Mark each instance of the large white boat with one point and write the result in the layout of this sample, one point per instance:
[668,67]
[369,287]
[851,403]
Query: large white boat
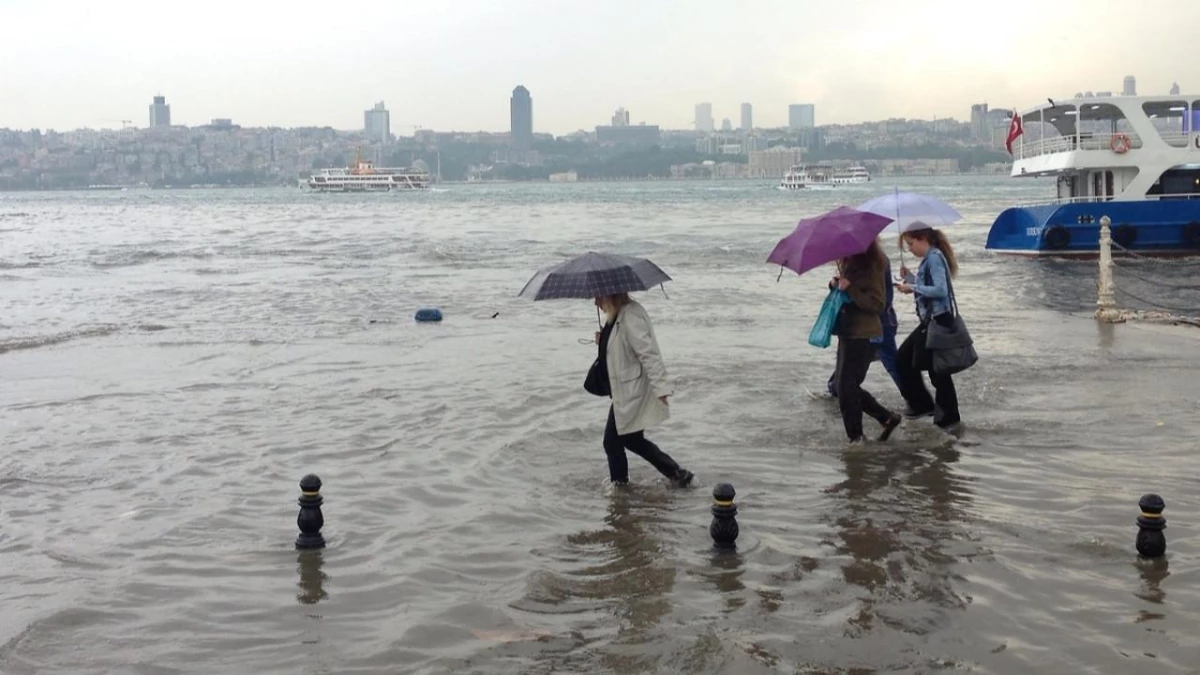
[852,175]
[808,177]
[366,177]
[1135,159]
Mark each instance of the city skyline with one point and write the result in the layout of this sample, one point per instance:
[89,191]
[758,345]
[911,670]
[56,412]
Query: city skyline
[99,66]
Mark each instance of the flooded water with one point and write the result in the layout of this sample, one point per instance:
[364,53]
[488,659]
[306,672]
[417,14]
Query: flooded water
[172,363]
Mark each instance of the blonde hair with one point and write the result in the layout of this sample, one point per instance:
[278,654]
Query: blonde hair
[937,239]
[612,305]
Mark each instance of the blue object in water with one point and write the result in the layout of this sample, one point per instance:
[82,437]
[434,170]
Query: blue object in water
[428,314]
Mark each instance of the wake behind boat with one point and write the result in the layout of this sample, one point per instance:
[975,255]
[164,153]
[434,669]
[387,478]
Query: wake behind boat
[1135,159]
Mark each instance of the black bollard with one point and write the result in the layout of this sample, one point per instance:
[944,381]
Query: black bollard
[310,519]
[1151,542]
[724,527]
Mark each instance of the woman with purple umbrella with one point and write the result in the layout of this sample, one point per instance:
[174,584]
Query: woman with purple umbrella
[861,276]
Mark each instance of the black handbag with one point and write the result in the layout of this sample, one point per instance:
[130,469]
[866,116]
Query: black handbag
[951,349]
[596,382]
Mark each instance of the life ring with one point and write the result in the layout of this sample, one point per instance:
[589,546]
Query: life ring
[1191,234]
[1119,143]
[1056,237]
[1124,235]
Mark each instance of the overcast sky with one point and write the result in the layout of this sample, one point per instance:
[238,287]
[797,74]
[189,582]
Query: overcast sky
[452,64]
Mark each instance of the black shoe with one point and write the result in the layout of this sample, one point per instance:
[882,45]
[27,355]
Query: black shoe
[889,426]
[911,414]
[683,478]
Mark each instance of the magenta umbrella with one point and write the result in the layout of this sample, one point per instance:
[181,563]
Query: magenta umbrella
[841,232]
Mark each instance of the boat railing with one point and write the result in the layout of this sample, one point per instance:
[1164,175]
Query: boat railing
[1095,200]
[1087,141]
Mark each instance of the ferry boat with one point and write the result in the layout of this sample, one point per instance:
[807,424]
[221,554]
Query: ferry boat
[1135,159]
[365,177]
[808,177]
[855,174]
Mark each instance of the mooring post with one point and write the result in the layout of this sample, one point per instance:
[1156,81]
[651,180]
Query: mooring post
[310,520]
[724,527]
[1151,542]
[1106,303]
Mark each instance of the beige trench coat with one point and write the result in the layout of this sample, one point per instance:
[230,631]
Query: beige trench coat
[636,373]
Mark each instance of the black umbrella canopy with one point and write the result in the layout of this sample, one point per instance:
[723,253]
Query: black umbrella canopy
[593,275]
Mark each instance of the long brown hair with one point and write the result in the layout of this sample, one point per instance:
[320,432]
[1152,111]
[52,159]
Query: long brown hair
[938,240]
[613,304]
[871,259]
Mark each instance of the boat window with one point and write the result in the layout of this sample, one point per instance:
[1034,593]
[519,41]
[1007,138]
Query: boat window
[1180,182]
[1170,120]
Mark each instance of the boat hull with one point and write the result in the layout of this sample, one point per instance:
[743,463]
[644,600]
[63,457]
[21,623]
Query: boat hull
[1153,227]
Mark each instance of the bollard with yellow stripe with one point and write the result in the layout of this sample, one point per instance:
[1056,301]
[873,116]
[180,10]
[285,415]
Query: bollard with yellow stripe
[724,527]
[310,520]
[1151,542]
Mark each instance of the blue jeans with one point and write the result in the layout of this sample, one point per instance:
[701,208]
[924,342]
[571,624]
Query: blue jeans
[885,348]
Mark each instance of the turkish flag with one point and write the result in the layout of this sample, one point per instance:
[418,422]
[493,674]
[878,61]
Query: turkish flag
[1014,129]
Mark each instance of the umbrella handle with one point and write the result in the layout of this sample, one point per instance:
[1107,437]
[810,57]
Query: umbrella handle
[780,272]
[600,325]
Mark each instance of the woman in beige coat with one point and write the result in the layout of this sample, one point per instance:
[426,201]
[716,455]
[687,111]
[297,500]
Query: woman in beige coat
[638,386]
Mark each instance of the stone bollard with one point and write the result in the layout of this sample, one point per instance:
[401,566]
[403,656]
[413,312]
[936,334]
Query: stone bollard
[724,527]
[1151,542]
[310,519]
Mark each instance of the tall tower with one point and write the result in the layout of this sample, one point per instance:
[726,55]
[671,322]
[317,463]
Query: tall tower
[520,108]
[377,123]
[160,112]
[747,117]
[1130,86]
[704,118]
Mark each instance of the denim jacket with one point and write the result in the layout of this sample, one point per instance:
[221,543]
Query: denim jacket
[932,299]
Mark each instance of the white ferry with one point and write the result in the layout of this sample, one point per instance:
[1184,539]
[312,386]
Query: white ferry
[1135,159]
[852,175]
[808,177]
[365,177]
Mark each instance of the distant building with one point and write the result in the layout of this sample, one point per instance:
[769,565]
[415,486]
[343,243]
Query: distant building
[726,125]
[747,117]
[644,135]
[520,108]
[802,116]
[979,122]
[1130,86]
[1175,89]
[377,123]
[221,123]
[754,144]
[620,118]
[160,112]
[774,162]
[704,118]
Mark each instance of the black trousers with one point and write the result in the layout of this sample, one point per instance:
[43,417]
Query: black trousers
[854,360]
[911,359]
[615,446]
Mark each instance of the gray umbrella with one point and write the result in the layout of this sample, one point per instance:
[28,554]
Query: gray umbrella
[592,275]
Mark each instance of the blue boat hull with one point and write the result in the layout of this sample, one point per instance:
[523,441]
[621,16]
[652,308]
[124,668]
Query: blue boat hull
[1152,227]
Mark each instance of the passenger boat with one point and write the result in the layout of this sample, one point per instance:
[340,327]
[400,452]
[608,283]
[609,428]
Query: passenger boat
[365,177]
[1135,159]
[808,177]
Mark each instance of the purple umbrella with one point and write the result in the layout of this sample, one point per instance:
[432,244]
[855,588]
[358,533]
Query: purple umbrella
[841,232]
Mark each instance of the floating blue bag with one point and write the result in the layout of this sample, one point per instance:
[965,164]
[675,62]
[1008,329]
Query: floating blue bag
[822,331]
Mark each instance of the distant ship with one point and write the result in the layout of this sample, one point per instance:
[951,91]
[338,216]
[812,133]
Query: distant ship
[855,174]
[808,177]
[366,177]
[106,187]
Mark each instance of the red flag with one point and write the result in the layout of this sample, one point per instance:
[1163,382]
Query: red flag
[1014,129]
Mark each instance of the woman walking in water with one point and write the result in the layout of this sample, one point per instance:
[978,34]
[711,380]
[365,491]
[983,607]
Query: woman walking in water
[931,288]
[861,276]
[638,386]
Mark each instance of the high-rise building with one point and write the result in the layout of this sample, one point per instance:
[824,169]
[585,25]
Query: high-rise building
[704,118]
[979,121]
[520,108]
[747,117]
[160,112]
[726,124]
[1130,86]
[620,118]
[802,116]
[377,123]
[1174,89]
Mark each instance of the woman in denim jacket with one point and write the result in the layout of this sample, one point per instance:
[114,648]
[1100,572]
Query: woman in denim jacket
[931,288]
